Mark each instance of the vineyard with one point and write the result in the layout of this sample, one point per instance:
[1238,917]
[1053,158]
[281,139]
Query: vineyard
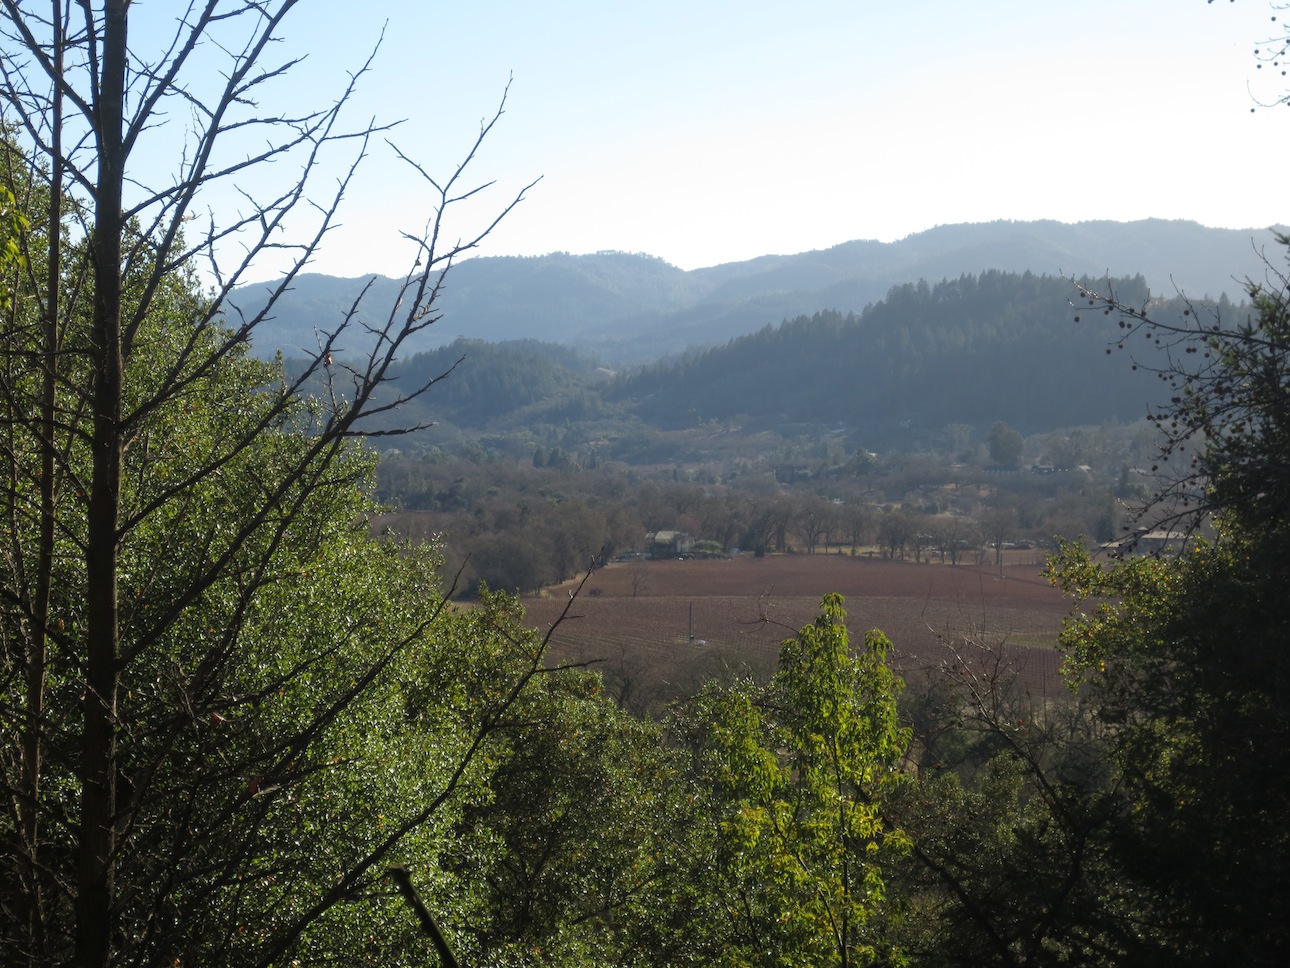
[658,629]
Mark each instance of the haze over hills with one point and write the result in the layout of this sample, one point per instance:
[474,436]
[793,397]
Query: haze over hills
[632,308]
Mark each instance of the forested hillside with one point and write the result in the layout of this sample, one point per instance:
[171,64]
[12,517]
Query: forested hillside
[477,384]
[971,350]
[632,308]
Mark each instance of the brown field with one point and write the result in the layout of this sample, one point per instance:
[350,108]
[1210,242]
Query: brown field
[739,611]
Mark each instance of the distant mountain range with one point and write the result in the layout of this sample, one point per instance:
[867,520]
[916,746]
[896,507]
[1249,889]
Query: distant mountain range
[628,308]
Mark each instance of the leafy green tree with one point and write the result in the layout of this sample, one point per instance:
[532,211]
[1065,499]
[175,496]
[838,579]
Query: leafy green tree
[564,859]
[1185,656]
[795,775]
[175,716]
[261,779]
[1012,822]
[1185,653]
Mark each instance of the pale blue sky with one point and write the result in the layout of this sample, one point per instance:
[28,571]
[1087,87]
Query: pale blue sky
[707,132]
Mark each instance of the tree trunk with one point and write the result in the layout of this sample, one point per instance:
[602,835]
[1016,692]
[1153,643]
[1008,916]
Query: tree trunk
[98,795]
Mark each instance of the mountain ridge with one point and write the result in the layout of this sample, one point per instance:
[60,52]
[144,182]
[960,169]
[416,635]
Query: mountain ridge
[630,308]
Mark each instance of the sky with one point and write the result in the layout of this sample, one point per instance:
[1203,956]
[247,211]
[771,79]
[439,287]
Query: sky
[706,131]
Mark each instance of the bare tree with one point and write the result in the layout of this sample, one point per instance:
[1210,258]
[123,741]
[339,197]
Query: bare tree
[760,521]
[816,519]
[859,520]
[783,513]
[895,531]
[997,526]
[1214,452]
[81,105]
[638,575]
[953,534]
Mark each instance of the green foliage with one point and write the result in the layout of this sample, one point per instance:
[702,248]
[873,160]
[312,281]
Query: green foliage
[1013,823]
[297,704]
[13,223]
[563,855]
[795,774]
[1185,654]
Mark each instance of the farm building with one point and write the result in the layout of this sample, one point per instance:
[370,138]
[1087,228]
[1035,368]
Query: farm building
[668,544]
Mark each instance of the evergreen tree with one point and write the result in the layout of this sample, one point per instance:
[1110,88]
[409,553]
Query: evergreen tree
[1186,654]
